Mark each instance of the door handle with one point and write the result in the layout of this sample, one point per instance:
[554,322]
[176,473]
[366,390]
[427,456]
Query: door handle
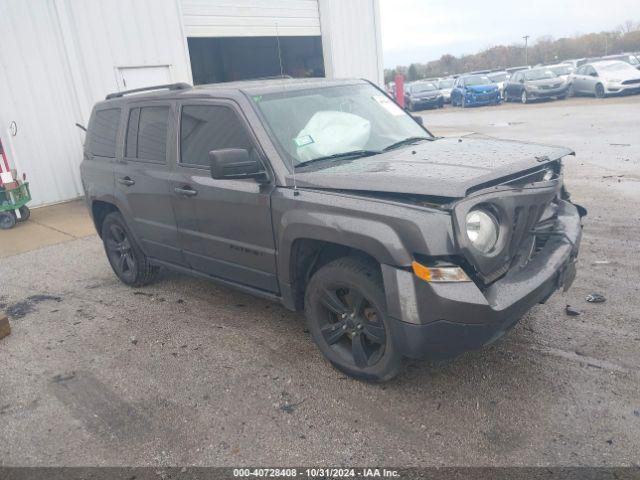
[126,181]
[186,191]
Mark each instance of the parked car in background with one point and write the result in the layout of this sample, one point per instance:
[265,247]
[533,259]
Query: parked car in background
[562,70]
[534,84]
[499,78]
[576,62]
[512,70]
[445,85]
[630,58]
[605,78]
[421,95]
[472,90]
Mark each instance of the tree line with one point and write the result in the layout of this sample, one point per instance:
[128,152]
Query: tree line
[626,38]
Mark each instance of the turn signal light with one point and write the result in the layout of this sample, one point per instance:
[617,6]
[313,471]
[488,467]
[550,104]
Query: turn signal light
[439,274]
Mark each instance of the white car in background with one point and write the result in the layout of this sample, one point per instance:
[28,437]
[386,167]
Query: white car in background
[605,78]
[499,78]
[445,85]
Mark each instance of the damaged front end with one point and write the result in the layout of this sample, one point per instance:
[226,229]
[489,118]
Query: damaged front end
[526,210]
[532,255]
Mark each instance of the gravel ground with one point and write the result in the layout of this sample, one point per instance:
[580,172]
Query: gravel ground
[185,372]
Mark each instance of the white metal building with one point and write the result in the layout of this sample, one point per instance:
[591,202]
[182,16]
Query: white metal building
[58,57]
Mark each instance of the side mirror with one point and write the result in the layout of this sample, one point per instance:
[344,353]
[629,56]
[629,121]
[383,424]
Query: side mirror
[234,163]
[521,80]
[594,74]
[418,119]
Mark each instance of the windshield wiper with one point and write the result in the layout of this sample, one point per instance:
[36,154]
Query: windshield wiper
[351,154]
[406,141]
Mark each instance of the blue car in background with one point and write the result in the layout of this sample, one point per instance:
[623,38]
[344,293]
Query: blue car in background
[470,90]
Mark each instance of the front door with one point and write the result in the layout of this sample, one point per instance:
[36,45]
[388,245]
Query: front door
[142,180]
[224,226]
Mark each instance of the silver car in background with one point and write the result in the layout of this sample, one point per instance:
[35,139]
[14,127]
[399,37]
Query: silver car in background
[562,70]
[605,78]
[445,85]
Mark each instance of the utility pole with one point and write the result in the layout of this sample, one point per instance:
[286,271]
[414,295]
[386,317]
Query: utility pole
[526,54]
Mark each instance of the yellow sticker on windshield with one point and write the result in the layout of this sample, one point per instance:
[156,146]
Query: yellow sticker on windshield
[388,105]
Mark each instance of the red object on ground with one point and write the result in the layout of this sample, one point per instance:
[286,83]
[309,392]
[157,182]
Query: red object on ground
[399,80]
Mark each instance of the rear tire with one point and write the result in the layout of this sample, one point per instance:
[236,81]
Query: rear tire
[346,311]
[25,213]
[7,220]
[126,258]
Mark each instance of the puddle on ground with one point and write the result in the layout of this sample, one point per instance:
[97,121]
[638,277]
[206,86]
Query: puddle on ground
[27,306]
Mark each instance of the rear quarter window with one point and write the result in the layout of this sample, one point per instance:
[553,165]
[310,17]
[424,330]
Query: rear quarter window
[103,132]
[147,134]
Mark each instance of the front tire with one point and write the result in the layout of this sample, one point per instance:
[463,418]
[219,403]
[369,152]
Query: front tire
[7,220]
[600,91]
[345,307]
[126,258]
[524,98]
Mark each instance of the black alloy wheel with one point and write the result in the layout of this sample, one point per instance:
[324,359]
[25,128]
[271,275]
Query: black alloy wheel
[120,253]
[351,326]
[126,258]
[345,307]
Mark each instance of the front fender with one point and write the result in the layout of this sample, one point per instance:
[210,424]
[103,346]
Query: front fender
[370,236]
[389,232]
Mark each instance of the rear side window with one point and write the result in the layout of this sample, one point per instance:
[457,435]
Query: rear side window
[204,128]
[103,131]
[147,134]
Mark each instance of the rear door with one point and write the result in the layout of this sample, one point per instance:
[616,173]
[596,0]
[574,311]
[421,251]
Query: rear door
[100,152]
[142,179]
[224,226]
[579,80]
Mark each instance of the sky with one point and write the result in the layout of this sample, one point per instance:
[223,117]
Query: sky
[423,30]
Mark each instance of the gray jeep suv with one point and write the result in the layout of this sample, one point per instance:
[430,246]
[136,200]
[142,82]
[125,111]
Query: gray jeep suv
[329,198]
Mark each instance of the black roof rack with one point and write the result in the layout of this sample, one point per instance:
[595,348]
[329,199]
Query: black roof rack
[170,86]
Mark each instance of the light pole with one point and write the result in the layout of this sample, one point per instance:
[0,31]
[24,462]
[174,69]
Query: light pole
[526,55]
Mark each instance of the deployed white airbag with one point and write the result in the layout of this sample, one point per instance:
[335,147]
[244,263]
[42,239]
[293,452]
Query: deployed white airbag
[330,132]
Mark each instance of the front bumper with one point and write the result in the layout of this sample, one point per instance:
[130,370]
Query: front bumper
[427,102]
[442,320]
[548,93]
[622,89]
[482,99]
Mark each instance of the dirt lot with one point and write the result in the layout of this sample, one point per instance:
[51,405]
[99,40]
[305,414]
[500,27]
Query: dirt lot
[186,372]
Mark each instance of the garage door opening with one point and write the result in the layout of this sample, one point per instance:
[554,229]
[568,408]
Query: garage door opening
[239,58]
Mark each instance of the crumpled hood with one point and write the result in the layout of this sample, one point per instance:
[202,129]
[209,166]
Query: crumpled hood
[482,88]
[446,167]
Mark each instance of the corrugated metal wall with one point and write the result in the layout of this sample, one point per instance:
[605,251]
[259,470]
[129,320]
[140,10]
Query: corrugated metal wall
[257,18]
[351,39]
[57,58]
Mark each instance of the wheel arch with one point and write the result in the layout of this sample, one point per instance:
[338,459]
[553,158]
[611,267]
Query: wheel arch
[309,241]
[99,211]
